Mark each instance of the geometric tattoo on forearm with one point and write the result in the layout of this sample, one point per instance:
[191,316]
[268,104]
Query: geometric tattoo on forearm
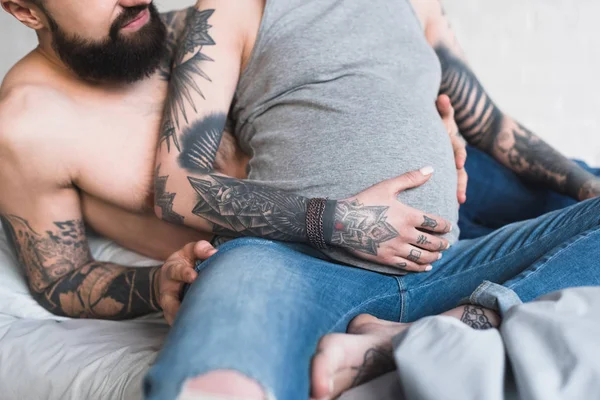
[245,208]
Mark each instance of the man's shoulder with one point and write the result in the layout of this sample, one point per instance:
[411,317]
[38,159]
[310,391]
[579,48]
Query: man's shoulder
[25,110]
[29,117]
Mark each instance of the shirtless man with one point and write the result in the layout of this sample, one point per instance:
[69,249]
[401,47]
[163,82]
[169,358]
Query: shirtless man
[79,122]
[96,85]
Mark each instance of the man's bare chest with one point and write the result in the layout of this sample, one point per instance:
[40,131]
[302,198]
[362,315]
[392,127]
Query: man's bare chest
[116,138]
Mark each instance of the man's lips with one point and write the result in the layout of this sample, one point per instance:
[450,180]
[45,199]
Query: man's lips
[139,21]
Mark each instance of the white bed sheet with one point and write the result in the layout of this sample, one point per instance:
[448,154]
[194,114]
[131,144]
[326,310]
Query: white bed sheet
[44,357]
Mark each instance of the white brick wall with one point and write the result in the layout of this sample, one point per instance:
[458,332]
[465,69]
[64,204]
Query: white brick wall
[540,60]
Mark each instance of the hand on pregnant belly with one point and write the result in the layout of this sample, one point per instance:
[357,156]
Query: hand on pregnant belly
[376,226]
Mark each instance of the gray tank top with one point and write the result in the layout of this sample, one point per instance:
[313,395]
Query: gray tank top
[339,95]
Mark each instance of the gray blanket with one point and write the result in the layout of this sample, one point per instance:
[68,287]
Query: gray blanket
[545,350]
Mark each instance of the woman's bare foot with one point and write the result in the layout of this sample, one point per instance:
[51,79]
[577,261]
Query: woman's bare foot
[343,361]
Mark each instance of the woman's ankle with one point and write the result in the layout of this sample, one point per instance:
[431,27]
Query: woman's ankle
[477,317]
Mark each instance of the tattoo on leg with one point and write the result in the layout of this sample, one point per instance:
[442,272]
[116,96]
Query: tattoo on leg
[475,317]
[186,69]
[361,228]
[422,240]
[429,222]
[414,255]
[200,143]
[165,199]
[376,362]
[243,208]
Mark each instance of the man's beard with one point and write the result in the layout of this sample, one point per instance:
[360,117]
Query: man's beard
[118,58]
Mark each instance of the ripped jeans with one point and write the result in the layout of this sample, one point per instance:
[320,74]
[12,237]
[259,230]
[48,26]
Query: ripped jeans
[259,307]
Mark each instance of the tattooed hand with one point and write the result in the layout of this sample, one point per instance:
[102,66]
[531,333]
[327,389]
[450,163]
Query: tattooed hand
[590,190]
[375,226]
[178,270]
[458,145]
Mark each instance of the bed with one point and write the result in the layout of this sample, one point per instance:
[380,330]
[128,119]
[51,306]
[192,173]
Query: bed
[47,357]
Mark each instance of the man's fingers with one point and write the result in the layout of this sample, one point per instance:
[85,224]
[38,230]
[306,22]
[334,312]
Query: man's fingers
[431,223]
[410,180]
[463,180]
[429,242]
[186,253]
[444,106]
[181,271]
[460,152]
[170,304]
[203,250]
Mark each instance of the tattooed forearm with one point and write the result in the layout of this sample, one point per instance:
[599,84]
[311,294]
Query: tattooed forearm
[187,68]
[477,116]
[482,123]
[539,163]
[237,207]
[164,200]
[65,279]
[475,317]
[49,256]
[590,190]
[361,228]
[103,290]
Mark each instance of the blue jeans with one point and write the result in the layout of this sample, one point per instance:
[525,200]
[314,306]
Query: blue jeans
[497,197]
[259,307]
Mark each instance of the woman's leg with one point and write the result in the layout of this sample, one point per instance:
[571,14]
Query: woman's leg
[249,324]
[497,197]
[519,262]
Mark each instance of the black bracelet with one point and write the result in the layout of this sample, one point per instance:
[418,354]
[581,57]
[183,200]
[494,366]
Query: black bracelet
[314,222]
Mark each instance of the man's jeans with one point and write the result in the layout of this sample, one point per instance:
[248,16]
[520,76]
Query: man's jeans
[259,307]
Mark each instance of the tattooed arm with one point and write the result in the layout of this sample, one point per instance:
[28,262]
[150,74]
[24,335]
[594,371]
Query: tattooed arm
[41,217]
[485,126]
[188,188]
[64,278]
